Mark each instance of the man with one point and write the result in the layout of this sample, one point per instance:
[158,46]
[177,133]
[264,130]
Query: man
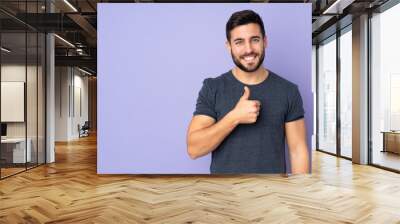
[243,116]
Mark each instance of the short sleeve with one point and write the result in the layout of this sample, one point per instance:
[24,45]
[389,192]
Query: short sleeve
[205,104]
[295,106]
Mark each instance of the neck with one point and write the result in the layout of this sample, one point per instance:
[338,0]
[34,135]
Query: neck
[250,78]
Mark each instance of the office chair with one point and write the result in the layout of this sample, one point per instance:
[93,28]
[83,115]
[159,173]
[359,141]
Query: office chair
[84,130]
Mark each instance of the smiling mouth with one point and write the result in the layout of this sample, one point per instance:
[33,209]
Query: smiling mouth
[249,58]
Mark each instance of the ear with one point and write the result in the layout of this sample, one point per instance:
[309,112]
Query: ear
[265,42]
[228,46]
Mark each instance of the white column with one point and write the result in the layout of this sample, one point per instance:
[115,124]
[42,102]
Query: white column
[50,93]
[360,90]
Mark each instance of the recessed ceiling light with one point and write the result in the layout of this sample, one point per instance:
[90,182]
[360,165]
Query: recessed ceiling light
[84,71]
[70,5]
[338,6]
[64,40]
[5,50]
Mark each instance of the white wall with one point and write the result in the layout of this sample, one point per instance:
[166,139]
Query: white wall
[33,127]
[17,73]
[61,103]
[71,94]
[314,91]
[14,73]
[80,110]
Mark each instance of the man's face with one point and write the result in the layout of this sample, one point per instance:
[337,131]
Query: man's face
[247,47]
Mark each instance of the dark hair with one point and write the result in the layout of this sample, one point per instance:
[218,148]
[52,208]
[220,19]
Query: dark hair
[242,18]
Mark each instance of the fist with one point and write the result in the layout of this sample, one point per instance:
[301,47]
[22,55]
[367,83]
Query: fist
[246,111]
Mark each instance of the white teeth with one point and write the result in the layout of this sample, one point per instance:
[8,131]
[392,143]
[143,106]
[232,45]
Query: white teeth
[250,58]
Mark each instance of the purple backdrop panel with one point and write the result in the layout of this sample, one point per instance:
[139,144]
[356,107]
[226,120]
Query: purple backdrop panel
[152,59]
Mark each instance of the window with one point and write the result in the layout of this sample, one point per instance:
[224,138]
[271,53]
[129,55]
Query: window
[327,95]
[385,88]
[346,93]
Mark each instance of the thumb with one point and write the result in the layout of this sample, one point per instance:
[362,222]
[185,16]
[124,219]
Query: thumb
[246,93]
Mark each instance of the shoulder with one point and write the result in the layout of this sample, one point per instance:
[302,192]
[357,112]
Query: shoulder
[281,82]
[215,82]
[285,87]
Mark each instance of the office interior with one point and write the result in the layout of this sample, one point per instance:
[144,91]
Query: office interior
[356,62]
[48,81]
[49,75]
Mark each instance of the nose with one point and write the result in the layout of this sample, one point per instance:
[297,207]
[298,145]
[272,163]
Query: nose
[248,48]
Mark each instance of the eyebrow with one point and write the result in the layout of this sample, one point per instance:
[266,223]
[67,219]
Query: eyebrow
[252,37]
[237,39]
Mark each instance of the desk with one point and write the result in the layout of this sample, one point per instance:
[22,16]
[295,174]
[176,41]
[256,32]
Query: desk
[391,141]
[15,148]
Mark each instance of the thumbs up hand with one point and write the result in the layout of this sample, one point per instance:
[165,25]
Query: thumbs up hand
[246,111]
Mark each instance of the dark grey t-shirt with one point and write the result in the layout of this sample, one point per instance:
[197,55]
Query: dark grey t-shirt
[257,147]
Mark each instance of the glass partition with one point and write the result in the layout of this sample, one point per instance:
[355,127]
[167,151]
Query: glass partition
[327,95]
[32,95]
[22,63]
[13,108]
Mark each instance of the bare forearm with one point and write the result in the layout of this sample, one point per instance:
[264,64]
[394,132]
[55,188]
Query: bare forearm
[204,141]
[299,159]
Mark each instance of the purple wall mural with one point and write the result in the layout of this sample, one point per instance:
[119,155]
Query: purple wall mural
[152,59]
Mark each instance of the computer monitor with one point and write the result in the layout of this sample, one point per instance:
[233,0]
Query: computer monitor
[3,129]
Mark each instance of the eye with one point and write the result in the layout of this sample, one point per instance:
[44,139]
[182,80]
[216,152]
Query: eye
[256,40]
[238,42]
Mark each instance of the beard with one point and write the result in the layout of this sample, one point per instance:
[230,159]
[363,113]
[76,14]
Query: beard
[247,69]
